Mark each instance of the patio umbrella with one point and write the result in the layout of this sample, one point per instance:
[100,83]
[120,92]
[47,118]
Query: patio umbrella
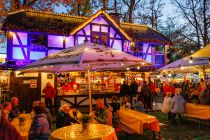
[202,53]
[85,57]
[188,65]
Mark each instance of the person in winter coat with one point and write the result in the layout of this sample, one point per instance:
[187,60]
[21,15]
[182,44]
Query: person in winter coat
[204,98]
[124,89]
[39,129]
[103,114]
[146,92]
[7,106]
[167,104]
[177,107]
[139,106]
[63,117]
[49,94]
[14,112]
[7,131]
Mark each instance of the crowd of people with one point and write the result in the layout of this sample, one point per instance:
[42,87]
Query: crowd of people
[131,97]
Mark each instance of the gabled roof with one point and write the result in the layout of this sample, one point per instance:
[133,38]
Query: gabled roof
[64,24]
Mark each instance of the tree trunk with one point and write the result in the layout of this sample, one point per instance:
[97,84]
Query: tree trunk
[205,36]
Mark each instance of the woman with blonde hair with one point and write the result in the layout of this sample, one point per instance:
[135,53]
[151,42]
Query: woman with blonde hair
[167,104]
[63,118]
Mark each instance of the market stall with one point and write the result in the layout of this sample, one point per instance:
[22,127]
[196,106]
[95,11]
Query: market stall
[86,57]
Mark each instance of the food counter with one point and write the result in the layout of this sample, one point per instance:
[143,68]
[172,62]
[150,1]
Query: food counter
[72,87]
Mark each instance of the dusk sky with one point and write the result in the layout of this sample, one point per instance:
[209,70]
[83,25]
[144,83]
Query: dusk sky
[168,10]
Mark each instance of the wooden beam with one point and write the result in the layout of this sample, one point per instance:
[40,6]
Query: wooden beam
[20,42]
[84,33]
[113,40]
[147,52]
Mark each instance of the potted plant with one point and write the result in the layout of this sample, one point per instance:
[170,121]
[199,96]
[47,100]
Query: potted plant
[85,119]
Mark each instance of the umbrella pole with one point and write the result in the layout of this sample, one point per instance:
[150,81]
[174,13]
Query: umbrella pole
[89,89]
[204,75]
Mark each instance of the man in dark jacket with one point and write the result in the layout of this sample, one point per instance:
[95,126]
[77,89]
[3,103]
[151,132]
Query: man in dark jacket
[124,89]
[134,87]
[146,92]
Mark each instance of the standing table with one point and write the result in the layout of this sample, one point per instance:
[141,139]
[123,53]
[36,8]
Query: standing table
[75,132]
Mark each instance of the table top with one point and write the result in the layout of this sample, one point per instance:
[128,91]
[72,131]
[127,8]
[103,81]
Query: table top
[145,118]
[23,130]
[94,132]
[198,110]
[136,120]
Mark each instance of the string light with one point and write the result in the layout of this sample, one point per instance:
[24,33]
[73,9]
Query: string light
[122,64]
[138,68]
[182,67]
[128,68]
[143,63]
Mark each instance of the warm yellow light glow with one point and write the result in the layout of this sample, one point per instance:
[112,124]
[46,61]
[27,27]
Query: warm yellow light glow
[64,38]
[138,68]
[11,33]
[143,63]
[182,67]
[139,78]
[128,68]
[158,76]
[169,75]
[122,64]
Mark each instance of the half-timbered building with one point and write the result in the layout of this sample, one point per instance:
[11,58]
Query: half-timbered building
[32,35]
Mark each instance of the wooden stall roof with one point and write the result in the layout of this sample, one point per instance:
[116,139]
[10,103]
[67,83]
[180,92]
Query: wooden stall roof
[63,24]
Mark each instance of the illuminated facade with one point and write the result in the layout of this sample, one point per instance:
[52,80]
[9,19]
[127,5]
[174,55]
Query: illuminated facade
[32,35]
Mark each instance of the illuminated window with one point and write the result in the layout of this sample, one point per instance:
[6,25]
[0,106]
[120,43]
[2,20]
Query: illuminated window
[17,53]
[96,28]
[69,41]
[23,38]
[36,55]
[55,41]
[104,29]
